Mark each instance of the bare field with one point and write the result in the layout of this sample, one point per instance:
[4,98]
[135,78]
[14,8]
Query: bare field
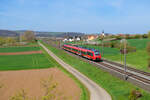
[30,81]
[22,53]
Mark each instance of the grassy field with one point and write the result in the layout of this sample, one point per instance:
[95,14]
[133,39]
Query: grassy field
[118,89]
[19,49]
[18,62]
[138,43]
[136,59]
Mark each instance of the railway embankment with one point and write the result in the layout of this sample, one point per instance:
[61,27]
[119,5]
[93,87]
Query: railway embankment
[119,89]
[96,92]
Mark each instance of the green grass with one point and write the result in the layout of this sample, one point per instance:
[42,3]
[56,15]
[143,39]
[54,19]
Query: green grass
[138,43]
[136,59]
[118,89]
[19,49]
[32,44]
[19,62]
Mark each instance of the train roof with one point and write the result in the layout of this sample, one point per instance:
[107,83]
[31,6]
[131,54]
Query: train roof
[83,48]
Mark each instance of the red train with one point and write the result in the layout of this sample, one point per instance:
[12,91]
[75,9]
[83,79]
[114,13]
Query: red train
[85,52]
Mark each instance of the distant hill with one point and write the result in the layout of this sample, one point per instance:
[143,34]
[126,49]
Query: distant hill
[8,33]
[47,34]
[70,34]
[56,34]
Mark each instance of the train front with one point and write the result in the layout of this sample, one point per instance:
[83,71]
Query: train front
[97,55]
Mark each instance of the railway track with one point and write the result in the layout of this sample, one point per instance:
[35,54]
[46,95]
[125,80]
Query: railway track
[132,69]
[141,77]
[129,73]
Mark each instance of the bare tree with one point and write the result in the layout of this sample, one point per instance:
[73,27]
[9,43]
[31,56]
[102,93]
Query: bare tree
[29,36]
[149,34]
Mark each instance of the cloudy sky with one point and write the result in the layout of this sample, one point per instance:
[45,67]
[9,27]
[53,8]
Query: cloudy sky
[90,16]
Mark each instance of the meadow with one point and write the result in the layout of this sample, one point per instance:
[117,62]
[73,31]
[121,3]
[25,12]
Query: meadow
[18,62]
[138,59]
[118,89]
[18,49]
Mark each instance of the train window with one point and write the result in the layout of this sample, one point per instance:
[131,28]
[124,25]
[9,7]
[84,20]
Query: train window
[90,54]
[96,53]
[83,52]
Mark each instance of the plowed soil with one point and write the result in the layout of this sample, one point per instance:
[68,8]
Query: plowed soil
[21,53]
[30,81]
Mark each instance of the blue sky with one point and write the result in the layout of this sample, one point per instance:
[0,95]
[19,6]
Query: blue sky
[90,16]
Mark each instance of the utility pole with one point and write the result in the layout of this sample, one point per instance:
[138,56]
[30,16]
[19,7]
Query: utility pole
[102,37]
[125,67]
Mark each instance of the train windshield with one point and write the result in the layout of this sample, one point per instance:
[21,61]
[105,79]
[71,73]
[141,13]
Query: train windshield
[96,53]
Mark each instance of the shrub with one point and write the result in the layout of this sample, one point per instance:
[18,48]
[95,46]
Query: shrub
[131,49]
[137,36]
[21,95]
[135,94]
[148,48]
[149,34]
[128,49]
[119,37]
[148,62]
[145,36]
[106,44]
[148,51]
[114,44]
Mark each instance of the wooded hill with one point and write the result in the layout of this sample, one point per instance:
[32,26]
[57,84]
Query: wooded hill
[10,33]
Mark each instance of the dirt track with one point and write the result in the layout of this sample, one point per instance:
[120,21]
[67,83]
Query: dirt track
[29,80]
[21,53]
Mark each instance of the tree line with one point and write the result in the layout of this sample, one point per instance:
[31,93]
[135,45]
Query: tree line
[26,37]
